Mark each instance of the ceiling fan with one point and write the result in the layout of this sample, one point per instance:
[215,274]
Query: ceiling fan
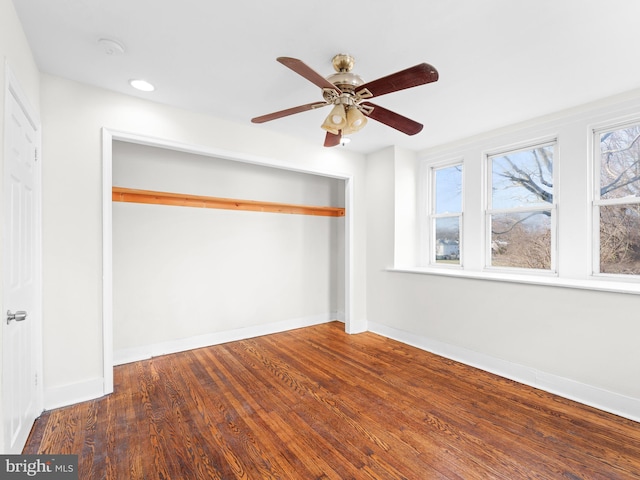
[347,92]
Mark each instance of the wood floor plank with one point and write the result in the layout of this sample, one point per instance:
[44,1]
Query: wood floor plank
[316,403]
[362,385]
[485,431]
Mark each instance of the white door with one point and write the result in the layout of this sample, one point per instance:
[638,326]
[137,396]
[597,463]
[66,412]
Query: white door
[21,318]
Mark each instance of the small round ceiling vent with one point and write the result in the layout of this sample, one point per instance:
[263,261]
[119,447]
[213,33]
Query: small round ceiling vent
[111,47]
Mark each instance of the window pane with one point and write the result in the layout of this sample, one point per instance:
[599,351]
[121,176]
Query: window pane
[620,163]
[448,240]
[523,178]
[448,188]
[521,240]
[620,239]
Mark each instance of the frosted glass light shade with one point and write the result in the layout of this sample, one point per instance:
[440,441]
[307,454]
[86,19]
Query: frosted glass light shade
[336,120]
[356,120]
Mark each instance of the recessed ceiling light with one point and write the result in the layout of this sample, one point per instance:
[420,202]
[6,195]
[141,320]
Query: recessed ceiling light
[142,85]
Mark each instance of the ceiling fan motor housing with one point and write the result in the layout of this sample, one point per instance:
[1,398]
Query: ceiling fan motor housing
[344,79]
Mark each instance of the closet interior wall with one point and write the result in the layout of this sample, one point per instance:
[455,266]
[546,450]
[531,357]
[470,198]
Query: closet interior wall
[185,276]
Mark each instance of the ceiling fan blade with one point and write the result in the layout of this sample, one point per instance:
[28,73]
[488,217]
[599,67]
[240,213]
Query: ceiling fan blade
[332,140]
[288,111]
[392,119]
[411,77]
[307,72]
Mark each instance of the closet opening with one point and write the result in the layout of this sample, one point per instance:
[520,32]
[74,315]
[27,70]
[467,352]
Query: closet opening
[209,247]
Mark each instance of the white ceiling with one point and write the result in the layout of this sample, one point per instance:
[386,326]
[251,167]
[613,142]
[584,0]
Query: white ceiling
[500,61]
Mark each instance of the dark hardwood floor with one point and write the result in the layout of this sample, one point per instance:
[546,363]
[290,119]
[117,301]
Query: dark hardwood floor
[317,403]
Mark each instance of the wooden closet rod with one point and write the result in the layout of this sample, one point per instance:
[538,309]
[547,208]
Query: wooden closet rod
[121,194]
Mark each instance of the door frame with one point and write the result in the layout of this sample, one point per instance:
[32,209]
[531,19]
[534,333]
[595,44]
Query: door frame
[13,89]
[109,136]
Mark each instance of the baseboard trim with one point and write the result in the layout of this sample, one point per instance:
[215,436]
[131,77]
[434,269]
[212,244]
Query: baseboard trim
[65,395]
[128,355]
[596,397]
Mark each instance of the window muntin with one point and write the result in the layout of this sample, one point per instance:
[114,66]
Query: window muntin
[446,215]
[521,210]
[617,201]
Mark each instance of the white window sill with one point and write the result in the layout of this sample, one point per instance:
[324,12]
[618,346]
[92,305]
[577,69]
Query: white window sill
[594,283]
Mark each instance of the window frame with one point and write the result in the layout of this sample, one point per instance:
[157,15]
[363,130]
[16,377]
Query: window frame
[432,216]
[489,211]
[597,201]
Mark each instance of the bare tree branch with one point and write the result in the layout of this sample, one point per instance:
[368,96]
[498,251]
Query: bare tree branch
[524,180]
[620,179]
[548,163]
[620,150]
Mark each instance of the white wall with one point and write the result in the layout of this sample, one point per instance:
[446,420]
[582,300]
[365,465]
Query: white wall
[573,339]
[73,116]
[16,54]
[185,277]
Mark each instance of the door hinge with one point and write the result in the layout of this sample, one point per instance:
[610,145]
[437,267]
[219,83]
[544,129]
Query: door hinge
[36,379]
[36,155]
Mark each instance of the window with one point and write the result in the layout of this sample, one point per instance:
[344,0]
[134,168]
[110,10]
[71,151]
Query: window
[446,215]
[521,211]
[508,217]
[617,201]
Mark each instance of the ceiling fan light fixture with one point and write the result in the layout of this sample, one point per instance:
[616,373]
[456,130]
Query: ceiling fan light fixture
[356,120]
[336,120]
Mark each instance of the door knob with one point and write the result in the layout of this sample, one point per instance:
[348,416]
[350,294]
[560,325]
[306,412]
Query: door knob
[19,316]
